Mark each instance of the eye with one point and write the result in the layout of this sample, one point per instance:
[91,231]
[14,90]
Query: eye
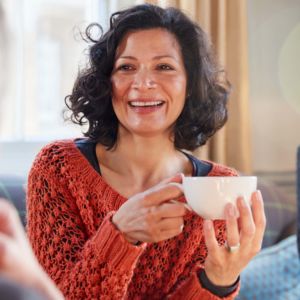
[164,67]
[125,67]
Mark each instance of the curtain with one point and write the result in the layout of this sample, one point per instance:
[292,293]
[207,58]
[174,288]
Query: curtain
[226,24]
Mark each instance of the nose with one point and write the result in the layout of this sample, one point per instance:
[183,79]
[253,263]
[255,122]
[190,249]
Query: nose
[143,79]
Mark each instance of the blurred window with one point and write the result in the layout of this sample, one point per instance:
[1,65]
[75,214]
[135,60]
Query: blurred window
[41,51]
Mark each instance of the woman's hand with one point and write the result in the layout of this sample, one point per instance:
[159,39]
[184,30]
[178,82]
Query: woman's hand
[153,215]
[244,235]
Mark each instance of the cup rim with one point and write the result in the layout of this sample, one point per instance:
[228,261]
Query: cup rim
[219,177]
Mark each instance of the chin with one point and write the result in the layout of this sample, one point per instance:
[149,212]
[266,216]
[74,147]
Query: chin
[151,131]
[147,129]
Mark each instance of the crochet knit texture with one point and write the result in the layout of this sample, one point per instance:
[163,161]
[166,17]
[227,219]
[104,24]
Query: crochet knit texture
[69,210]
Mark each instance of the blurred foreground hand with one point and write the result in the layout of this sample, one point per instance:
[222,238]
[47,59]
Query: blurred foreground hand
[17,261]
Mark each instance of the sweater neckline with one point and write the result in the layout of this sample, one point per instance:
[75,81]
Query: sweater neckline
[84,168]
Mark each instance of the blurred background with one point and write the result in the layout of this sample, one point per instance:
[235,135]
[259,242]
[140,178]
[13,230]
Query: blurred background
[258,42]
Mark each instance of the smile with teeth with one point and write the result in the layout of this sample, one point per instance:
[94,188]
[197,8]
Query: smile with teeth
[145,103]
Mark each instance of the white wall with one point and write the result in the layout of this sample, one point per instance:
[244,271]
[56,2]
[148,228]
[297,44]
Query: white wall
[274,50]
[16,157]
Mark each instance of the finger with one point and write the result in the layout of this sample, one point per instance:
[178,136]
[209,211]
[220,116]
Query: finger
[150,218]
[258,211]
[161,193]
[4,249]
[176,178]
[170,224]
[139,236]
[210,237]
[160,231]
[247,226]
[232,230]
[161,236]
[184,203]
[147,221]
[178,185]
[9,220]
[259,219]
[10,223]
[168,234]
[171,210]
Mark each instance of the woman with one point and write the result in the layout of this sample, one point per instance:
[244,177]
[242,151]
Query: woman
[104,218]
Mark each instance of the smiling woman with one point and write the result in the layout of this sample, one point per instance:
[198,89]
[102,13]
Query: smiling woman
[202,115]
[104,215]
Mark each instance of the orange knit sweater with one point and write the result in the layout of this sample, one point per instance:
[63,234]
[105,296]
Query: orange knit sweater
[69,226]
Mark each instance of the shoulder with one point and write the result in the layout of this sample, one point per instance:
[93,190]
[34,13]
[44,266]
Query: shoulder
[53,154]
[222,170]
[56,148]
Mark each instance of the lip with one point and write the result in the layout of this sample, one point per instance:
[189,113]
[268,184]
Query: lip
[146,109]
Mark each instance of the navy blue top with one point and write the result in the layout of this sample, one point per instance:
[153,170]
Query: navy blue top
[88,149]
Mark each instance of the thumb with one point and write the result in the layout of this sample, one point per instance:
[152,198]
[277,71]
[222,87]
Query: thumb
[10,223]
[4,250]
[177,178]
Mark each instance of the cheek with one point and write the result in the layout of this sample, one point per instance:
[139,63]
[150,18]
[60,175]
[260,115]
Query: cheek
[181,85]
[177,83]
[177,87]
[119,86]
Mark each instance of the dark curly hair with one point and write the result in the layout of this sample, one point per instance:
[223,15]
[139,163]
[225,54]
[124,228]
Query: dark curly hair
[205,109]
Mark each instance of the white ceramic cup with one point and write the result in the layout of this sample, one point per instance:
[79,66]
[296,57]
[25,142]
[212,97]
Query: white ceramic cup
[207,196]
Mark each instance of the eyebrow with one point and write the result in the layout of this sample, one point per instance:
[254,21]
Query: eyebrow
[155,57]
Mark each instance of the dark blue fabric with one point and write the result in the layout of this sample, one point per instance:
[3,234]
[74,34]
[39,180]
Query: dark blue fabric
[220,291]
[201,168]
[88,148]
[298,198]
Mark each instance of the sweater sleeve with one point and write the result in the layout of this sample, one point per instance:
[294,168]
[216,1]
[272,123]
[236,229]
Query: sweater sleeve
[191,287]
[83,267]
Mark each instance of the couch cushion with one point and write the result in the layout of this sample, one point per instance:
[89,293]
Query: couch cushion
[13,189]
[273,274]
[281,213]
[298,197]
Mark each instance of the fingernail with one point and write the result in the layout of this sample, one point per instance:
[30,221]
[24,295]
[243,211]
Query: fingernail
[258,195]
[182,176]
[243,202]
[231,211]
[179,174]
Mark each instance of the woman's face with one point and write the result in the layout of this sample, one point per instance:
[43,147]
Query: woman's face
[148,82]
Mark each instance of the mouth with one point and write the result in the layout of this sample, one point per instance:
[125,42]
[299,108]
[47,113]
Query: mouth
[146,104]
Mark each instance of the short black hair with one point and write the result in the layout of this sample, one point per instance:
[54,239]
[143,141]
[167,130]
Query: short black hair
[205,109]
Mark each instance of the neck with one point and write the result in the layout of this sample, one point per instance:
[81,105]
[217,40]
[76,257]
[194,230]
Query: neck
[144,160]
